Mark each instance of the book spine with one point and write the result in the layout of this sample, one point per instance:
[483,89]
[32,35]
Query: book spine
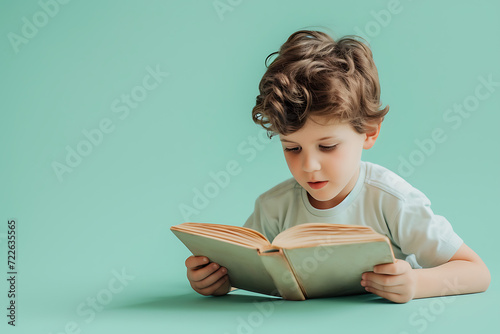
[282,274]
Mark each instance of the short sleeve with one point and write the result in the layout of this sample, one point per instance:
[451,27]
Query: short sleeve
[421,234]
[258,221]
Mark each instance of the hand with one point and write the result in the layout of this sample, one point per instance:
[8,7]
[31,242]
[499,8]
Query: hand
[207,278]
[396,282]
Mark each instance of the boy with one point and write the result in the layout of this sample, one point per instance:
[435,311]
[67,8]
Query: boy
[323,99]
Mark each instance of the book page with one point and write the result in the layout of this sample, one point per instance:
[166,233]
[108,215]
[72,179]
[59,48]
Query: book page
[232,234]
[315,234]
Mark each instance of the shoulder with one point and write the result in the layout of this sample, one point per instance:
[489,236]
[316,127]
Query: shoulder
[280,192]
[387,183]
[272,206]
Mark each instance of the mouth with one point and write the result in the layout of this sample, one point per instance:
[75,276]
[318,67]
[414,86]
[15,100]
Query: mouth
[317,185]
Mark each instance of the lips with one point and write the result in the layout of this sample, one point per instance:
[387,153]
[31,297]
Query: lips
[317,184]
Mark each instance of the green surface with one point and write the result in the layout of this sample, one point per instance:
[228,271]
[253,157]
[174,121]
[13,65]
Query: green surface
[112,212]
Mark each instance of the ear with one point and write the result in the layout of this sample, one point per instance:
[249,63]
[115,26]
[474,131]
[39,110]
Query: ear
[371,136]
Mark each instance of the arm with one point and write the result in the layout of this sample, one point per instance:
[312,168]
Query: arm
[464,273]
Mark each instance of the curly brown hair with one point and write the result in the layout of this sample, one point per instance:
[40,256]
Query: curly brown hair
[314,75]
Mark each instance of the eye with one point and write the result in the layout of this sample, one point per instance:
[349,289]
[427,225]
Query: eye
[293,149]
[328,148]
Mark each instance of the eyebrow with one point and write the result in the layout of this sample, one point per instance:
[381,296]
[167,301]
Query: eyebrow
[324,138]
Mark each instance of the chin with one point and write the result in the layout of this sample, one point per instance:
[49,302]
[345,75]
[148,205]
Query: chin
[324,197]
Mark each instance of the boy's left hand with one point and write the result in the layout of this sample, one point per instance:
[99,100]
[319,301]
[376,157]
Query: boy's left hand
[394,281]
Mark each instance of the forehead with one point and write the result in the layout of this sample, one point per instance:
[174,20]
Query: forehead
[319,129]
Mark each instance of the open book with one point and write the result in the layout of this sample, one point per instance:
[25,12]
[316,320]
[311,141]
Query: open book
[305,261]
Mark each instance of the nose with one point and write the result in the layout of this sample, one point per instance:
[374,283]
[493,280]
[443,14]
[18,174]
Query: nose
[310,162]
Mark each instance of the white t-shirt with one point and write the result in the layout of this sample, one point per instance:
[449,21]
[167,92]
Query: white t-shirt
[380,199]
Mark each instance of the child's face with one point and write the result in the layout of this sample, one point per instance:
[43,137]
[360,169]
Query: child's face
[328,152]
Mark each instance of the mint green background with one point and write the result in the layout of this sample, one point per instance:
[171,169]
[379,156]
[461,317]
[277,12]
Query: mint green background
[115,209]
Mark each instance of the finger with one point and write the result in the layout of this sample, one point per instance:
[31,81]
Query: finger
[224,289]
[395,268]
[399,289]
[388,269]
[195,262]
[394,297]
[208,281]
[196,275]
[214,287]
[386,280]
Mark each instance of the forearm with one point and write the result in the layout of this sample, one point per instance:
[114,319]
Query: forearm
[452,278]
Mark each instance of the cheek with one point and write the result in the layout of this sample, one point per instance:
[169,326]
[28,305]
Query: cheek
[334,161]
[292,162]
[295,166]
[340,163]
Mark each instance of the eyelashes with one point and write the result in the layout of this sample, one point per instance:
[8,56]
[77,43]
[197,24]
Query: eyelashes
[323,148]
[328,148]
[294,149]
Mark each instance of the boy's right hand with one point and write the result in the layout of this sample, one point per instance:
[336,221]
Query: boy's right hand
[207,278]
